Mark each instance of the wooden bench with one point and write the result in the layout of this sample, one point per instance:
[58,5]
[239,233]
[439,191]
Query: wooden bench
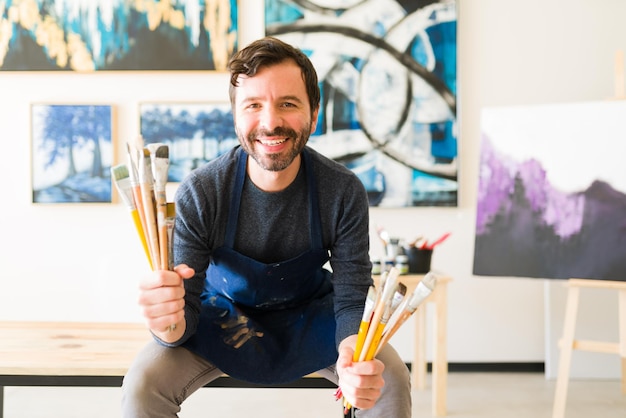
[85,354]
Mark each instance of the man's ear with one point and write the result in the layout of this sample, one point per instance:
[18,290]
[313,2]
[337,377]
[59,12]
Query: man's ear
[314,116]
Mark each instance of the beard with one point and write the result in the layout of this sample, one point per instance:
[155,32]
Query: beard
[275,161]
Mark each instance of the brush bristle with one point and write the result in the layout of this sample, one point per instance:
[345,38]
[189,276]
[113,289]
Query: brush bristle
[162,152]
[401,288]
[120,172]
[430,280]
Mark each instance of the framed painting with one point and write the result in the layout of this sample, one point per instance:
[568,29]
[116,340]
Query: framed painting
[77,35]
[552,192]
[73,150]
[387,73]
[195,133]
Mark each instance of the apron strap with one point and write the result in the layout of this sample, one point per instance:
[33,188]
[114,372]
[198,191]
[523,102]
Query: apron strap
[235,201]
[314,210]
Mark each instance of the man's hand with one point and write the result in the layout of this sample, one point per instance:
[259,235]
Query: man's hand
[161,296]
[360,382]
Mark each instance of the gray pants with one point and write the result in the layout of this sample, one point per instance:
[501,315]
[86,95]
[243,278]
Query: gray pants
[161,378]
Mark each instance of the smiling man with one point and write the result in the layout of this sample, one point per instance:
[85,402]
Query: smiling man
[250,296]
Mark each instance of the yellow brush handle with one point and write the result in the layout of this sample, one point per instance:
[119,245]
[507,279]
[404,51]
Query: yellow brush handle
[374,345]
[371,332]
[360,340]
[142,235]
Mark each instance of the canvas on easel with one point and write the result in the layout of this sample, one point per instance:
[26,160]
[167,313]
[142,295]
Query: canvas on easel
[552,192]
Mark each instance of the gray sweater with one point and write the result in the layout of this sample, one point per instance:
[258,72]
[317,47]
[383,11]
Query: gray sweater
[275,227]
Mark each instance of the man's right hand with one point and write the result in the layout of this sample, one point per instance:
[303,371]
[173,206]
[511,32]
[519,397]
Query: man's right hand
[161,297]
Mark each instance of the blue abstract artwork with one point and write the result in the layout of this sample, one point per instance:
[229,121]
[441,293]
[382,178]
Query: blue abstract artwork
[72,153]
[77,35]
[195,133]
[387,73]
[552,192]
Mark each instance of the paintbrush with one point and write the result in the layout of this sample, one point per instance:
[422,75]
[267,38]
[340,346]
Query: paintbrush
[121,176]
[389,309]
[136,190]
[170,219]
[383,235]
[146,184]
[159,154]
[424,288]
[368,311]
[388,291]
[427,246]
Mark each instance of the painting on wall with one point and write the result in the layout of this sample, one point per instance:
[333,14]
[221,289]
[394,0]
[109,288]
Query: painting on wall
[72,153]
[387,73]
[87,36]
[552,192]
[195,133]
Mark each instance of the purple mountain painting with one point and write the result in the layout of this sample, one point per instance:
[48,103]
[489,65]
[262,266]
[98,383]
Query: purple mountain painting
[528,226]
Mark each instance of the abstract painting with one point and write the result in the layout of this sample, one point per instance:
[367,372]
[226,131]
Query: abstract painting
[72,153]
[195,133]
[78,35]
[552,192]
[387,72]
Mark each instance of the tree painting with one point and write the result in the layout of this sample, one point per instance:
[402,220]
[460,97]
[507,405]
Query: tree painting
[72,152]
[194,132]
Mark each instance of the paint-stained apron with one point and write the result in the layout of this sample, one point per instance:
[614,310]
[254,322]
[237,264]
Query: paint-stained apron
[267,323]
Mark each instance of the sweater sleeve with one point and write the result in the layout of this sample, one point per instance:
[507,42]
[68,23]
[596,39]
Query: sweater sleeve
[345,213]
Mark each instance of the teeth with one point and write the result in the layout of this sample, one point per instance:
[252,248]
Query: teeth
[273,142]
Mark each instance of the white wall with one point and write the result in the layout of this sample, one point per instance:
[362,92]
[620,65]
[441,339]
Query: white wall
[82,262]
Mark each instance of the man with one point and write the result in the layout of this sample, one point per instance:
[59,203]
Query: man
[250,296]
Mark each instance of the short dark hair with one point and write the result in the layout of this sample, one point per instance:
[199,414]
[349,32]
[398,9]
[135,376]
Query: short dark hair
[270,51]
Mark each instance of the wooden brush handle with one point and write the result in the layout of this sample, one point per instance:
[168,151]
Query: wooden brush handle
[162,226]
[153,237]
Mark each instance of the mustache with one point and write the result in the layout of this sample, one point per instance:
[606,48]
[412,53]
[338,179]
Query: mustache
[278,131]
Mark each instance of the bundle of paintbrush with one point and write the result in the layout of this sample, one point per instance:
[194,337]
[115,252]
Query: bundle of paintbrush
[142,183]
[386,309]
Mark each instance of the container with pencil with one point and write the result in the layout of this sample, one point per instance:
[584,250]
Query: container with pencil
[141,184]
[386,309]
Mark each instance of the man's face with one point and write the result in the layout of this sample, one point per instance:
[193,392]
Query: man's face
[273,118]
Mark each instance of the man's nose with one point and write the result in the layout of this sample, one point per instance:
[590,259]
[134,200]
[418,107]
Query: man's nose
[270,119]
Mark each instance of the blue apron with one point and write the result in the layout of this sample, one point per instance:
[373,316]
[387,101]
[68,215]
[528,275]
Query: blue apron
[267,323]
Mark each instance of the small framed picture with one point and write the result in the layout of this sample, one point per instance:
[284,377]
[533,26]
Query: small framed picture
[195,132]
[72,152]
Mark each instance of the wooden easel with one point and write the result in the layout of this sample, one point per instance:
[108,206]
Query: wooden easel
[568,343]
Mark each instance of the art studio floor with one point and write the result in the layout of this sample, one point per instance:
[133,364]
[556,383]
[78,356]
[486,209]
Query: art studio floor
[470,395]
